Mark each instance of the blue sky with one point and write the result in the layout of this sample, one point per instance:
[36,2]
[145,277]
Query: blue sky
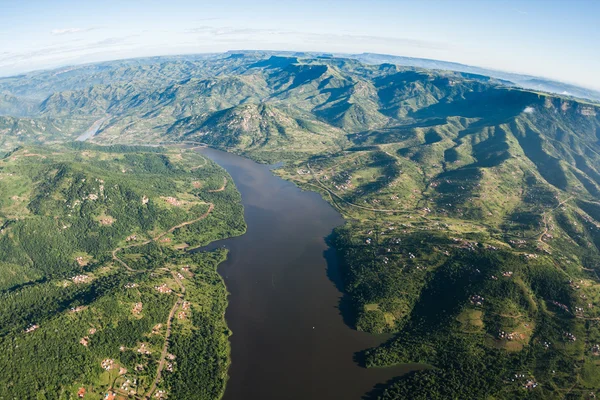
[555,39]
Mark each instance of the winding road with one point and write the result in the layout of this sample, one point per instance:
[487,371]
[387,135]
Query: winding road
[163,354]
[128,268]
[221,188]
[180,296]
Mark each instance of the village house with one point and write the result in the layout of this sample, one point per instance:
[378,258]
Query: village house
[156,329]
[107,364]
[163,288]
[477,300]
[173,201]
[143,349]
[137,308]
[569,336]
[530,384]
[588,111]
[128,386]
[78,279]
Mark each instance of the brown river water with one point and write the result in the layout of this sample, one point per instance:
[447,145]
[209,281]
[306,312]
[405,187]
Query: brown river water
[289,338]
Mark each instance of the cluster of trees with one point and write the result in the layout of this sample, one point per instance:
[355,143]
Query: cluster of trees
[202,352]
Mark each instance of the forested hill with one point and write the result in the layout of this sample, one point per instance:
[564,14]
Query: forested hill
[97,294]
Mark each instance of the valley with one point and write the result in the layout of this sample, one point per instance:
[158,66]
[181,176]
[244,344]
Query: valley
[464,217]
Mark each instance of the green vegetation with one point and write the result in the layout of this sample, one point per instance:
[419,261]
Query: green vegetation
[92,272]
[472,234]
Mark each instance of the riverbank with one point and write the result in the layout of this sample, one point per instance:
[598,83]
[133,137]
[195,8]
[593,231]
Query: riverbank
[289,338]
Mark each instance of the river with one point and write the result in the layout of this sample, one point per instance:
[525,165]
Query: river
[289,338]
[91,131]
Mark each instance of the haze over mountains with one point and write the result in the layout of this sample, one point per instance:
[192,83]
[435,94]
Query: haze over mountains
[256,102]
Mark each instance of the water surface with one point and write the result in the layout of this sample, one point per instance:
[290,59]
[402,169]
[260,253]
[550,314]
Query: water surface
[91,131]
[289,340]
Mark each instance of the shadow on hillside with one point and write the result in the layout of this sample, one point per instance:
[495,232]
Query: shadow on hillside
[334,273]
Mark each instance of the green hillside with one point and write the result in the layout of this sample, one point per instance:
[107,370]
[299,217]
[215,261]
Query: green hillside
[92,268]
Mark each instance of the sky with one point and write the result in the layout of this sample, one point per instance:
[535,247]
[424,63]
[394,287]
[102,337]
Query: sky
[552,39]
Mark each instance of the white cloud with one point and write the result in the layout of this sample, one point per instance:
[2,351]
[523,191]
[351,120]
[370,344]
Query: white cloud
[68,31]
[520,11]
[348,40]
[55,55]
[529,110]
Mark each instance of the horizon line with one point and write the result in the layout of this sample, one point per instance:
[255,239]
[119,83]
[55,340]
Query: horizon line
[332,54]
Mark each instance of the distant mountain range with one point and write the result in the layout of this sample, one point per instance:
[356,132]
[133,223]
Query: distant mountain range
[507,78]
[275,107]
[524,81]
